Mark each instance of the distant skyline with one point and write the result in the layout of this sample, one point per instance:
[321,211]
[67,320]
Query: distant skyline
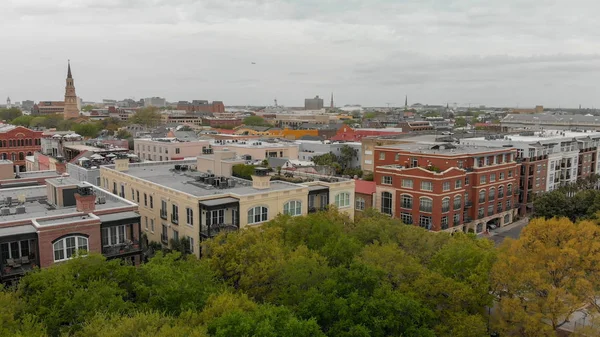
[368,52]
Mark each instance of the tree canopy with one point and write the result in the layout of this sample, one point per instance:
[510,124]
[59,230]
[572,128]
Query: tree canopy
[255,121]
[9,114]
[149,117]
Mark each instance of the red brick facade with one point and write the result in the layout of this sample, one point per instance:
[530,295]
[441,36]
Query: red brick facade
[446,190]
[47,237]
[17,143]
[201,106]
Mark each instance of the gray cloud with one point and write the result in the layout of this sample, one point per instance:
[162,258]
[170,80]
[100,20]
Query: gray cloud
[369,51]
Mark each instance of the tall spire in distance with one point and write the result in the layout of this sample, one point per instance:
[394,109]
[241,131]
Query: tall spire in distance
[406,102]
[332,105]
[69,69]
[71,109]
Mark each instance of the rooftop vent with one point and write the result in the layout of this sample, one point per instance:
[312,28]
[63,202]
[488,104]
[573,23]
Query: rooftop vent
[5,211]
[20,209]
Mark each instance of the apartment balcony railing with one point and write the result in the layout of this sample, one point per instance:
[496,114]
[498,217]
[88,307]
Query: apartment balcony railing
[215,229]
[317,209]
[123,248]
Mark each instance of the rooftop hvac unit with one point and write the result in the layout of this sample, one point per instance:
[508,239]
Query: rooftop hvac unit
[20,209]
[177,167]
[231,182]
[101,200]
[8,200]
[5,211]
[184,167]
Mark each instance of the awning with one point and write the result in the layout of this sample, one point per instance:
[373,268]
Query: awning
[218,202]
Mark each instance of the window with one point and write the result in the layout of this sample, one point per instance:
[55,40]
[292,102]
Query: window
[457,202]
[342,200]
[360,204]
[458,184]
[425,221]
[175,214]
[492,177]
[482,179]
[65,249]
[456,219]
[386,180]
[508,204]
[215,217]
[426,186]
[510,174]
[175,235]
[152,225]
[189,216]
[480,213]
[492,194]
[132,194]
[257,214]
[506,219]
[176,150]
[508,189]
[499,207]
[490,210]
[145,200]
[501,175]
[407,183]
[114,235]
[191,240]
[500,191]
[407,201]
[445,205]
[425,204]
[122,194]
[382,155]
[482,196]
[386,203]
[444,222]
[151,202]
[164,236]
[406,218]
[293,208]
[146,222]
[397,157]
[466,180]
[446,186]
[163,209]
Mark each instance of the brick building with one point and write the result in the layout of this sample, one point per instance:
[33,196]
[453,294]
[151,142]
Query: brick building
[43,225]
[18,142]
[217,122]
[48,108]
[364,195]
[447,187]
[201,106]
[348,134]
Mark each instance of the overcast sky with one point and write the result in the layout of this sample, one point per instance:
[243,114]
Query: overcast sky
[370,52]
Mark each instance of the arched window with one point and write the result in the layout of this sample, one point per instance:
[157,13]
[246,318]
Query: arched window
[258,214]
[492,194]
[342,199]
[457,203]
[386,203]
[425,204]
[29,153]
[406,201]
[445,205]
[507,219]
[479,228]
[360,204]
[21,156]
[500,191]
[508,189]
[13,156]
[293,208]
[10,143]
[67,248]
[482,196]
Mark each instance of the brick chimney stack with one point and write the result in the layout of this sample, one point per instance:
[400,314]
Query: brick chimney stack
[261,179]
[85,203]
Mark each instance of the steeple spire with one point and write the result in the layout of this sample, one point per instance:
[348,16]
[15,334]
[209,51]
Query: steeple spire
[405,102]
[69,69]
[332,106]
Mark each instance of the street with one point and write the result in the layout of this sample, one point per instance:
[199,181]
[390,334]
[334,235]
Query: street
[510,231]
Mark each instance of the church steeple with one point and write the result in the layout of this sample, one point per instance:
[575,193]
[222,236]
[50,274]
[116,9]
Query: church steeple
[71,109]
[406,103]
[69,69]
[332,105]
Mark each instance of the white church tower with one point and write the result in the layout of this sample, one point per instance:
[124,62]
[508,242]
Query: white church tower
[8,105]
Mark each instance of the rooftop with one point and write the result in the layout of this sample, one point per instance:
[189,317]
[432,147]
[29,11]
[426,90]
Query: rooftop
[37,206]
[252,143]
[546,135]
[364,187]
[552,118]
[162,173]
[6,127]
[443,148]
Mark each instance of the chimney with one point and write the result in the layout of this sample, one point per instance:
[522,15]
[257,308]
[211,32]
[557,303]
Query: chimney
[261,179]
[122,164]
[61,167]
[85,200]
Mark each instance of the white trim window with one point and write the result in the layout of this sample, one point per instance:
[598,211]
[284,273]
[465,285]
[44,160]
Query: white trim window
[360,204]
[386,180]
[112,236]
[258,214]
[293,208]
[189,216]
[342,199]
[66,248]
[386,203]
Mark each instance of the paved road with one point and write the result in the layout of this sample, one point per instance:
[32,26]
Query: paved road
[511,231]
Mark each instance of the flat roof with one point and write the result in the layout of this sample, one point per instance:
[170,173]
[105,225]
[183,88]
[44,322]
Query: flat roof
[446,149]
[547,135]
[160,173]
[118,216]
[217,202]
[16,230]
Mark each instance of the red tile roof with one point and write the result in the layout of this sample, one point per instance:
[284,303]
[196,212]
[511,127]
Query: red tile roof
[364,187]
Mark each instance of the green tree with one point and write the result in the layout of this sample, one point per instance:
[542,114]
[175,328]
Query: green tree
[347,154]
[124,134]
[242,171]
[64,125]
[10,114]
[460,122]
[149,117]
[255,121]
[38,122]
[328,159]
[24,120]
[89,129]
[87,108]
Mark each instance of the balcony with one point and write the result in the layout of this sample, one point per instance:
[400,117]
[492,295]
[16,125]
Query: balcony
[163,214]
[124,248]
[318,209]
[209,231]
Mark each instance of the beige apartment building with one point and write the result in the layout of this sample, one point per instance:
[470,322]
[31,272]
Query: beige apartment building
[161,149]
[180,199]
[258,149]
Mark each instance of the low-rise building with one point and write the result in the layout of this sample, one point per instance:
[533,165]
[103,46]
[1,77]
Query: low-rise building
[201,105]
[311,148]
[159,149]
[181,200]
[16,143]
[365,195]
[43,225]
[537,122]
[348,134]
[257,149]
[444,187]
